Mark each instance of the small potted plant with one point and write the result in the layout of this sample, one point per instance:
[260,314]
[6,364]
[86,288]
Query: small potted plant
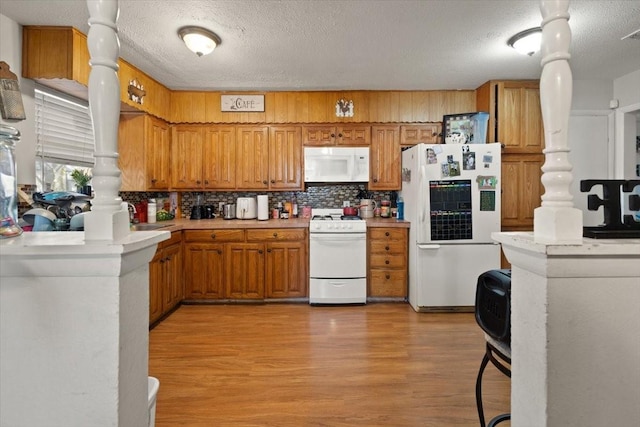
[82,178]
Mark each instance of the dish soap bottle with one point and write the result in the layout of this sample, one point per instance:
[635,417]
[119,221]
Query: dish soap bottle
[400,204]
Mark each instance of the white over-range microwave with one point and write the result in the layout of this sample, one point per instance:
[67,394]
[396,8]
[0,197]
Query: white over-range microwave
[336,164]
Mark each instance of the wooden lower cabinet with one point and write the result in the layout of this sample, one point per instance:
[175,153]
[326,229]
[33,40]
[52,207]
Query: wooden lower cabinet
[286,261]
[245,264]
[244,271]
[387,261]
[204,270]
[165,277]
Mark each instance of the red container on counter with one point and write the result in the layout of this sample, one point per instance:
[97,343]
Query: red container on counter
[141,212]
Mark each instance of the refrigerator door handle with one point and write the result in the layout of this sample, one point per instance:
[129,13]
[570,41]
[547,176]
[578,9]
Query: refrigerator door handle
[423,174]
[434,246]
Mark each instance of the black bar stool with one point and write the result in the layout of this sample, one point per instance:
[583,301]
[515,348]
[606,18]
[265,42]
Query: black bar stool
[493,314]
[503,363]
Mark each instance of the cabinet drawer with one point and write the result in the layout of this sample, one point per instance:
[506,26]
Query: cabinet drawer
[387,233]
[387,261]
[390,247]
[275,235]
[388,283]
[214,235]
[176,237]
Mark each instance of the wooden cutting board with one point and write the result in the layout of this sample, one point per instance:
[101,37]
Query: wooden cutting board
[10,97]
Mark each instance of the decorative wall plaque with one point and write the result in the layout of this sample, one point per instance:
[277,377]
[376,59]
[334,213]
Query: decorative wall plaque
[344,108]
[242,103]
[136,92]
[11,105]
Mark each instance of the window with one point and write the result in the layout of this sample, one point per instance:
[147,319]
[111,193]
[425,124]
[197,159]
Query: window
[64,133]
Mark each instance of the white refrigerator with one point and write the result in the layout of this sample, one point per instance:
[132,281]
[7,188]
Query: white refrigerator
[451,195]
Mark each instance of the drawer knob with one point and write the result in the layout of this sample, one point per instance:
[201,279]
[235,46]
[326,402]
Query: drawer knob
[388,276]
[269,250]
[386,248]
[386,234]
[265,182]
[275,234]
[386,261]
[260,251]
[219,252]
[213,235]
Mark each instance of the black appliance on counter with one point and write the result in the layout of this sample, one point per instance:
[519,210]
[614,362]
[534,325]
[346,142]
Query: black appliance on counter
[493,304]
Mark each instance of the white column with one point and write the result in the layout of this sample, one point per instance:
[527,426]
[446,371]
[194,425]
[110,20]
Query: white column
[107,221]
[557,220]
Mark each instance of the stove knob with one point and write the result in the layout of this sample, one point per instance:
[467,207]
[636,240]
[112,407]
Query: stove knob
[317,226]
[349,226]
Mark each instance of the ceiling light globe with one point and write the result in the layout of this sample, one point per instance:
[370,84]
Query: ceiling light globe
[199,40]
[527,42]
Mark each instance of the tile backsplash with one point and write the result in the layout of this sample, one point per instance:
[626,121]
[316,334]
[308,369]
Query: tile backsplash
[316,196]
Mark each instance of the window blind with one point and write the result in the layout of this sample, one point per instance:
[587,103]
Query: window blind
[63,129]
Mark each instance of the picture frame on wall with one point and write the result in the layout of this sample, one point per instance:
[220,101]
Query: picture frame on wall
[465,128]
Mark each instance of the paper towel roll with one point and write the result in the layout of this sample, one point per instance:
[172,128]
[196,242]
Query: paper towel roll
[263,207]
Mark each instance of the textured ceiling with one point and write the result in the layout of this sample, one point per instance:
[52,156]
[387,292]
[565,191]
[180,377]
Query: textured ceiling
[350,44]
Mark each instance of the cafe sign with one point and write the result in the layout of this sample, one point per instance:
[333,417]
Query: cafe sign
[242,103]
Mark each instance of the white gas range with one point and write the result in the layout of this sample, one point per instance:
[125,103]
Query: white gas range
[337,258]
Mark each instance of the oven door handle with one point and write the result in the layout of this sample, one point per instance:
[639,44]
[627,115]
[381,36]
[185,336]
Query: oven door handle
[338,238]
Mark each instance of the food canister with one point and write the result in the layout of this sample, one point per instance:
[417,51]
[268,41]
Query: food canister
[385,209]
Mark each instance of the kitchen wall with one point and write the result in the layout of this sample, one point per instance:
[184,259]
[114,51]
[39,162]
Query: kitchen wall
[316,196]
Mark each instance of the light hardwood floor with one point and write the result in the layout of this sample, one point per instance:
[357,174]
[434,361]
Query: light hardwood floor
[297,365]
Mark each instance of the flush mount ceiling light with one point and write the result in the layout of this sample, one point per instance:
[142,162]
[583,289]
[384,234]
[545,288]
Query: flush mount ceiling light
[527,42]
[199,40]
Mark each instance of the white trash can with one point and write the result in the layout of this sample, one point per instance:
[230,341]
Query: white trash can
[154,385]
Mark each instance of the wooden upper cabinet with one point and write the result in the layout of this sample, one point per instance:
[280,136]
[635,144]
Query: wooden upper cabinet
[158,154]
[384,168]
[515,117]
[285,158]
[186,157]
[417,134]
[252,145]
[56,57]
[348,135]
[219,154]
[521,190]
[144,147]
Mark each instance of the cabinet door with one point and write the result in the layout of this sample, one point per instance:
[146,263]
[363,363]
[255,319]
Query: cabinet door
[158,153]
[173,291]
[354,135]
[318,135]
[219,154]
[384,170]
[244,270]
[132,152]
[156,283]
[286,270]
[519,117]
[186,157]
[204,271]
[252,151]
[521,190]
[285,158]
[417,134]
